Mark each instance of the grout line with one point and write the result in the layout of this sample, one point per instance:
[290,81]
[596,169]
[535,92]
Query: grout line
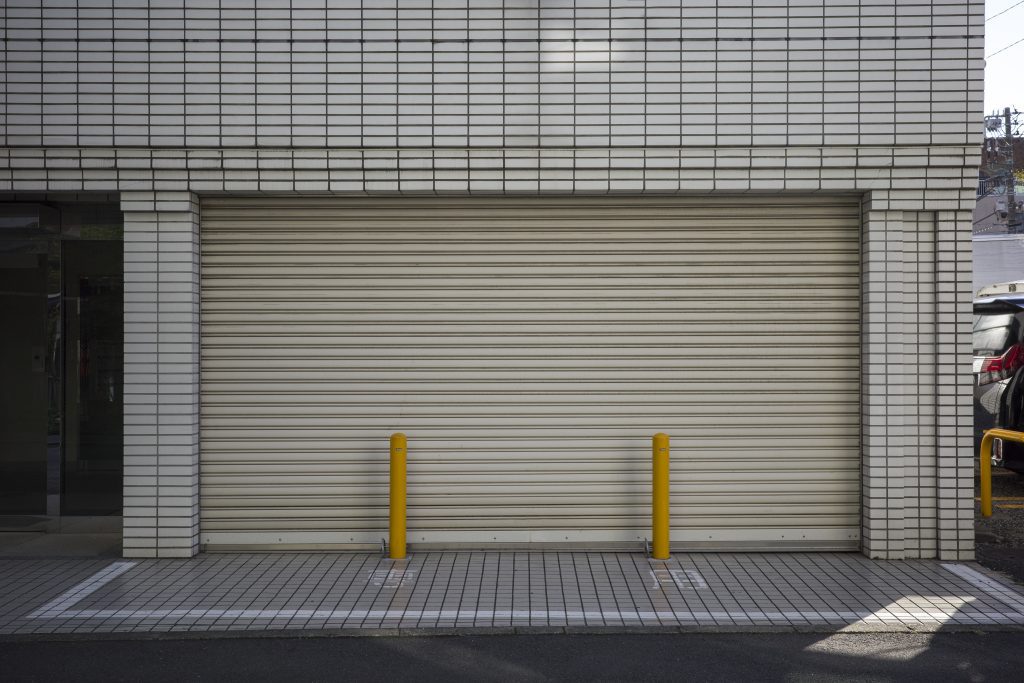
[58,605]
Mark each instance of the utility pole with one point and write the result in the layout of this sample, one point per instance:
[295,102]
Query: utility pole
[1012,221]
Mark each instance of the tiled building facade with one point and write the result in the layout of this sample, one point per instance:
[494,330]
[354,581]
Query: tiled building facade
[161,103]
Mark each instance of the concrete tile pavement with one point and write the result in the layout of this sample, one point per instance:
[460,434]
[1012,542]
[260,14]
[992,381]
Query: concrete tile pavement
[506,590]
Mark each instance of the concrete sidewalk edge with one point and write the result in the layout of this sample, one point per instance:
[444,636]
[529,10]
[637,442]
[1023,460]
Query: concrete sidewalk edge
[852,629]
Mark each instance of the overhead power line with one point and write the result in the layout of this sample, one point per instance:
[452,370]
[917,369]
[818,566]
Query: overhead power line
[1005,48]
[1005,10]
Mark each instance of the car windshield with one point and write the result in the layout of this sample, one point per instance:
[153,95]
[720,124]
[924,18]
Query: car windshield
[992,334]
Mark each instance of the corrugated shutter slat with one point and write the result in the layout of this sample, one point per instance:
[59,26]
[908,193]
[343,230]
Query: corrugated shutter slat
[530,348]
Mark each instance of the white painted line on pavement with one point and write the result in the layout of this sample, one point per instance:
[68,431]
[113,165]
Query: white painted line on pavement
[62,602]
[391,578]
[591,617]
[1000,591]
[460,615]
[683,579]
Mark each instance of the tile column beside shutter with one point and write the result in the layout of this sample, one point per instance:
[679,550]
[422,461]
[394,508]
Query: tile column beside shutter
[161,374]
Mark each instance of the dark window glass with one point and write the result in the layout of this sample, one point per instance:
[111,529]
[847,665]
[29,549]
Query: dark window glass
[19,222]
[61,359]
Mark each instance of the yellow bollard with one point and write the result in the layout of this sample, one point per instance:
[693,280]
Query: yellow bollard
[659,498]
[986,474]
[396,542]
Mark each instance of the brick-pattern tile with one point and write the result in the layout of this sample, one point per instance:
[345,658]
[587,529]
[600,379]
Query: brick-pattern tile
[483,74]
[163,101]
[161,379]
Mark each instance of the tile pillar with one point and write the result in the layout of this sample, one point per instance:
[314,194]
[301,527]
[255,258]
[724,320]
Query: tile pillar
[955,380]
[161,374]
[883,383]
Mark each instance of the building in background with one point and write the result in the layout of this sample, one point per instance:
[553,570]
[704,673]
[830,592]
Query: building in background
[1000,207]
[245,242]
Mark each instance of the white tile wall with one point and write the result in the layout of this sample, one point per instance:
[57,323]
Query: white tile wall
[484,73]
[164,100]
[920,330]
[161,374]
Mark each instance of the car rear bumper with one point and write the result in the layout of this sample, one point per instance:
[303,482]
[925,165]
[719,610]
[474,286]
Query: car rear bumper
[988,401]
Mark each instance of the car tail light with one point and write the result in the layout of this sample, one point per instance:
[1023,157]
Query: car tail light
[1002,367]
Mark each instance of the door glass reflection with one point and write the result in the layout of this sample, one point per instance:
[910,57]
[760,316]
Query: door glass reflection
[23,369]
[93,352]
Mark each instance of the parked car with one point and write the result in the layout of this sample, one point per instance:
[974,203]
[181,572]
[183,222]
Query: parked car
[1001,288]
[999,373]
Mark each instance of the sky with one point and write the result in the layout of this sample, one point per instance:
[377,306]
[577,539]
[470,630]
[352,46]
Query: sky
[1004,72]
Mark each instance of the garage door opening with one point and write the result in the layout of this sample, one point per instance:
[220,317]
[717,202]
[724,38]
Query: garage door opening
[530,348]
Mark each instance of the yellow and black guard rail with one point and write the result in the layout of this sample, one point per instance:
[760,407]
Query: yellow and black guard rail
[986,464]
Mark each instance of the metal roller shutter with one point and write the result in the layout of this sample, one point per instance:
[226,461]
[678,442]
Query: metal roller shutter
[530,348]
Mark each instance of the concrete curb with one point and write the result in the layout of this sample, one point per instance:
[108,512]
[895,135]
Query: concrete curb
[508,631]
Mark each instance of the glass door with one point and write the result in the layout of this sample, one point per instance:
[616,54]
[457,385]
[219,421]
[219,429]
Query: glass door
[61,355]
[27,374]
[93,380]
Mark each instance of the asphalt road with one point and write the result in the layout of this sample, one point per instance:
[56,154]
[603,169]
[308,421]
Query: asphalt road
[946,657]
[1000,538]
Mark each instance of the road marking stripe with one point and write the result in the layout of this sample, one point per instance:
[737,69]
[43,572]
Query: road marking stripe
[997,590]
[62,602]
[884,615]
